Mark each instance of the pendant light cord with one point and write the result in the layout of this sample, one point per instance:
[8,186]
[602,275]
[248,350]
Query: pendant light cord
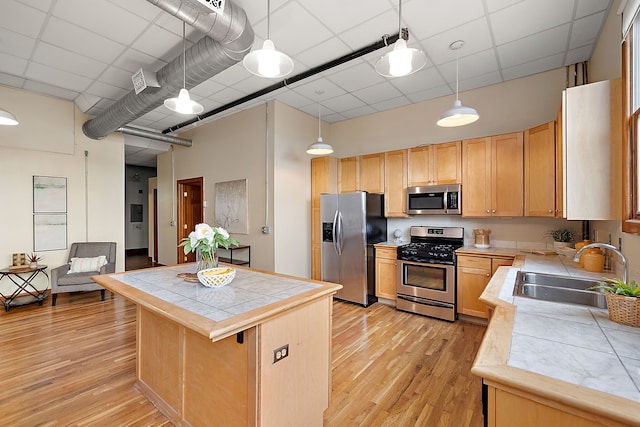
[184,59]
[456,74]
[268,20]
[400,17]
[319,135]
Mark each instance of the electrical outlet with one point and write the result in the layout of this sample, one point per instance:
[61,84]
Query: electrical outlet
[265,229]
[280,353]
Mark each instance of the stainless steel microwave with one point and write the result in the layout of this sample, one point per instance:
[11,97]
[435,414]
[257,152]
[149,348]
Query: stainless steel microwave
[434,200]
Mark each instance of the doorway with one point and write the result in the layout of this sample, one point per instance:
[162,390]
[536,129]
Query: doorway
[190,211]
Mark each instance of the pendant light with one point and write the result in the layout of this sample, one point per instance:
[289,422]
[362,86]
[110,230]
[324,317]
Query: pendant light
[183,104]
[319,148]
[459,115]
[268,62]
[402,60]
[7,119]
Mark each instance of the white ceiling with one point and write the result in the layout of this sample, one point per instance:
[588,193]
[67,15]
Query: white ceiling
[87,50]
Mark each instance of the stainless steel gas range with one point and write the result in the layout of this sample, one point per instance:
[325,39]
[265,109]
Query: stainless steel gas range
[426,281]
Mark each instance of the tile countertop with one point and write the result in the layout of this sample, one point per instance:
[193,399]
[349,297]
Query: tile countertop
[575,344]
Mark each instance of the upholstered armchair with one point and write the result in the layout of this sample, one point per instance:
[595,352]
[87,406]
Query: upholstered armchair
[86,259]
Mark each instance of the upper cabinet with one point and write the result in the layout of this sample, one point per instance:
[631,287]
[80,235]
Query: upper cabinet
[348,175]
[540,171]
[435,164]
[372,173]
[492,176]
[395,194]
[592,147]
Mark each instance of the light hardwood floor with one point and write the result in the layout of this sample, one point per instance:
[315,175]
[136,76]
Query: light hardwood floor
[74,364]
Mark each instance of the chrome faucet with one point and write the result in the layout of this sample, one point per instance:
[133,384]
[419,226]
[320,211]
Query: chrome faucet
[576,258]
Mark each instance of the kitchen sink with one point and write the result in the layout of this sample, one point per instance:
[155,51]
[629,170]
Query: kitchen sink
[565,289]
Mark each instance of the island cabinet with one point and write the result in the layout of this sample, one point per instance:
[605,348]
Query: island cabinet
[265,362]
[435,164]
[386,271]
[395,183]
[540,174]
[492,176]
[473,275]
[324,179]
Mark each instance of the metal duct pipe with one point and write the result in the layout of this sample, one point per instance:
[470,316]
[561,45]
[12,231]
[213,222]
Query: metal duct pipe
[228,39]
[155,136]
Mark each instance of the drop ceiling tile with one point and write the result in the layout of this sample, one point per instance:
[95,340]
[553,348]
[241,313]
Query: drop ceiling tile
[16,44]
[470,66]
[81,41]
[293,29]
[537,46]
[578,55]
[529,17]
[340,15]
[425,78]
[83,14]
[59,78]
[389,104]
[493,5]
[65,60]
[326,51]
[143,9]
[107,91]
[9,79]
[428,18]
[358,112]
[12,64]
[332,118]
[234,74]
[585,31]
[293,98]
[588,7]
[43,5]
[377,93]
[372,30]
[160,43]
[342,102]
[48,89]
[227,95]
[207,88]
[21,18]
[476,37]
[475,82]
[431,93]
[533,67]
[357,77]
[308,88]
[132,60]
[85,101]
[117,77]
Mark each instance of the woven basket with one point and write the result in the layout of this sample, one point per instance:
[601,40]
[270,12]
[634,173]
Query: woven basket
[622,309]
[216,277]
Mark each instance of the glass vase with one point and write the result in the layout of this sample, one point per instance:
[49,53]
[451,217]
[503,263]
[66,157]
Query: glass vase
[206,260]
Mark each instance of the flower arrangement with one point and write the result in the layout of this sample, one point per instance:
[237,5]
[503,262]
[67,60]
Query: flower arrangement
[204,241]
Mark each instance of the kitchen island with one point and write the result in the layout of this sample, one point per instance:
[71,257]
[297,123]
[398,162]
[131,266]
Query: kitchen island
[253,353]
[555,364]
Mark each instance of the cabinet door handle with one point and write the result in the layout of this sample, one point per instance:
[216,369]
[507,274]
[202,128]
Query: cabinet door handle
[488,275]
[488,211]
[550,211]
[493,211]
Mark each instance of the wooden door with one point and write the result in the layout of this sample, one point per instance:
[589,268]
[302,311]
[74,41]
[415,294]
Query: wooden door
[419,165]
[348,175]
[540,171]
[447,163]
[507,164]
[190,211]
[476,177]
[372,173]
[395,185]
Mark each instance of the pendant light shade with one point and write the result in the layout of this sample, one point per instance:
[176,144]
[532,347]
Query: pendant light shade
[268,62]
[459,115]
[319,148]
[183,104]
[7,119]
[402,60]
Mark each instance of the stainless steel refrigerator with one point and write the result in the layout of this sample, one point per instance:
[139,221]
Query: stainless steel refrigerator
[350,225]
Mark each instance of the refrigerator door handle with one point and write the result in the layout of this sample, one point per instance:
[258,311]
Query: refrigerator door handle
[339,233]
[334,232]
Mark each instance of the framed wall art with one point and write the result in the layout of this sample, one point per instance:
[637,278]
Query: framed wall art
[231,210]
[49,194]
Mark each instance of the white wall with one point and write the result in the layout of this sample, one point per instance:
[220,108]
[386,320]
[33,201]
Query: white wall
[55,146]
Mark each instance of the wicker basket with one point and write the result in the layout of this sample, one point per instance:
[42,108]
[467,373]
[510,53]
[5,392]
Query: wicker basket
[622,309]
[216,277]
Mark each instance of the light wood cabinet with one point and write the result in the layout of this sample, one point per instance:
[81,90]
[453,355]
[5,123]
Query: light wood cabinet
[559,168]
[372,173]
[492,176]
[386,271]
[395,183]
[540,171]
[435,164]
[324,179]
[349,175]
[473,275]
